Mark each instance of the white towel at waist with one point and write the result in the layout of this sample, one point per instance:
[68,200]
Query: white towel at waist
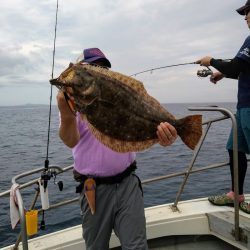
[14,212]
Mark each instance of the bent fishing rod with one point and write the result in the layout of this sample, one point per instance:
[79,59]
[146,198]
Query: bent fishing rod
[163,67]
[200,73]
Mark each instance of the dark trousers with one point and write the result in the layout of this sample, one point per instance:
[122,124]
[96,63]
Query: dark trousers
[242,169]
[119,207]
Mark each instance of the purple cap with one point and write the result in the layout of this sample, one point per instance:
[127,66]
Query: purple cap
[93,54]
[243,10]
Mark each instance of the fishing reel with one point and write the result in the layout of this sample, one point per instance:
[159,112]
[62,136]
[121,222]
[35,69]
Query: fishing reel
[59,184]
[204,72]
[46,175]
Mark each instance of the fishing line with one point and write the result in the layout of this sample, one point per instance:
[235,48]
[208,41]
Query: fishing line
[163,67]
[46,163]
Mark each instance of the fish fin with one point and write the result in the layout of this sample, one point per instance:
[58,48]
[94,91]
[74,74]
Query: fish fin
[190,130]
[119,145]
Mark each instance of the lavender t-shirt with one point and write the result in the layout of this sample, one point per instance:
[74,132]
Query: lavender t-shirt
[93,158]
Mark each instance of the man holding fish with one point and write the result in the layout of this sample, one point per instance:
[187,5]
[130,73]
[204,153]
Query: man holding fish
[110,192]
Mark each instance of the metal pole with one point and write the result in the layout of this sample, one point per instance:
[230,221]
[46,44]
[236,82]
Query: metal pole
[22,220]
[236,178]
[19,238]
[228,113]
[195,154]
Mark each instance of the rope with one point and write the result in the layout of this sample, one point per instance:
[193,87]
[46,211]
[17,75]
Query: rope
[46,163]
[163,67]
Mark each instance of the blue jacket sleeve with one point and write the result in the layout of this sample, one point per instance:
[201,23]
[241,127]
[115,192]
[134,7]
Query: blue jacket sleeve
[231,68]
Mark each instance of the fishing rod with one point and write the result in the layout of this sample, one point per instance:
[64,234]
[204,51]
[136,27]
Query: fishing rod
[46,165]
[48,173]
[163,67]
[200,73]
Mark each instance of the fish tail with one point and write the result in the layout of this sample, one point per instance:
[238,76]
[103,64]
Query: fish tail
[190,129]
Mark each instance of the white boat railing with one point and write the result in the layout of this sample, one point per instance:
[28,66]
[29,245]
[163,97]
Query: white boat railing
[55,170]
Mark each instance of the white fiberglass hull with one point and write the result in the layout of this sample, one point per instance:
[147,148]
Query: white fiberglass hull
[191,219]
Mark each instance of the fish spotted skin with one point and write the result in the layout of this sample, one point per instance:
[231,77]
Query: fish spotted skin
[119,111]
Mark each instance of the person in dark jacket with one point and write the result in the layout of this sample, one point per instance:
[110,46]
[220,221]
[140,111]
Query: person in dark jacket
[237,68]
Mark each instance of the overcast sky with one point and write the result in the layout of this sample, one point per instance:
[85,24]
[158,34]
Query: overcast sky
[135,35]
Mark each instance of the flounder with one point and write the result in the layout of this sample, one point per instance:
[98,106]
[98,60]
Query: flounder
[119,111]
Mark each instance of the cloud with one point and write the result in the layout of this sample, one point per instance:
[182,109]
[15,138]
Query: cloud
[134,35]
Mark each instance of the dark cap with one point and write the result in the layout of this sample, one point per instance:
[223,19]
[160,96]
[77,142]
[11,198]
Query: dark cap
[92,55]
[242,10]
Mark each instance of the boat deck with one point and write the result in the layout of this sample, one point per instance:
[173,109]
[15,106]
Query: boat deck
[189,226]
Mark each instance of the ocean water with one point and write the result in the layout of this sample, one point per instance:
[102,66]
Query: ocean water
[23,146]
